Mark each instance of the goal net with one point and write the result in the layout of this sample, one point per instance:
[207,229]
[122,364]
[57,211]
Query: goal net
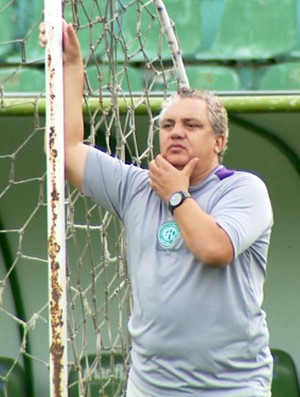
[132,59]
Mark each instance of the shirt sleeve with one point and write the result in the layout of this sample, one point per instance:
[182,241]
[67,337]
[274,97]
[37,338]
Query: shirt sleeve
[110,182]
[244,211]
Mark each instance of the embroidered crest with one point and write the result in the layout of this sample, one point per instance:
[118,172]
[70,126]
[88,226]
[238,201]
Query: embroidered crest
[168,234]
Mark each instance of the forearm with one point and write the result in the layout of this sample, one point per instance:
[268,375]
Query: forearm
[73,93]
[75,150]
[208,242]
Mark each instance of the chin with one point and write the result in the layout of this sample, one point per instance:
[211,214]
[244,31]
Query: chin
[176,160]
[178,164]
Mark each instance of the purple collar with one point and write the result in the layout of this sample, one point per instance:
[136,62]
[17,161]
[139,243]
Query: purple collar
[223,173]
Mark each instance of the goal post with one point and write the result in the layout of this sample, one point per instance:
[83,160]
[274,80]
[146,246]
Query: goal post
[56,201]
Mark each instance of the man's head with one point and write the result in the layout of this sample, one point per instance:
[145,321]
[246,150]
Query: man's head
[193,125]
[216,112]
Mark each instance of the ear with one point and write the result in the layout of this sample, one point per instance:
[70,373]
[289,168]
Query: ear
[220,143]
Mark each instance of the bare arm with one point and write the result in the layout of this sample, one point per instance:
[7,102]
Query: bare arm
[205,239]
[75,150]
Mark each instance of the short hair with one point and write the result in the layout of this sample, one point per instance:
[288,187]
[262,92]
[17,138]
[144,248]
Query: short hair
[217,113]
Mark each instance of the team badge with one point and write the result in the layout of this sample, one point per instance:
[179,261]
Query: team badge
[168,234]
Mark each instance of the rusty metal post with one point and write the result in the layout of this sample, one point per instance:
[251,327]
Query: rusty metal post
[56,200]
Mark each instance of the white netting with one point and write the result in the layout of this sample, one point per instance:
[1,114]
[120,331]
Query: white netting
[127,62]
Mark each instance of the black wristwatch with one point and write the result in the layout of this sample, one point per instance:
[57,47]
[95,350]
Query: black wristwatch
[176,199]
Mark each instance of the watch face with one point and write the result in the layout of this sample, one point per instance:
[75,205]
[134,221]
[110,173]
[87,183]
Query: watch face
[175,198]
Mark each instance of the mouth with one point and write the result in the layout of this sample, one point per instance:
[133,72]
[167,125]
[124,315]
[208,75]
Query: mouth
[176,147]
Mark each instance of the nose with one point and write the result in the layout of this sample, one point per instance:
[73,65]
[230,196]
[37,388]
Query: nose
[177,131]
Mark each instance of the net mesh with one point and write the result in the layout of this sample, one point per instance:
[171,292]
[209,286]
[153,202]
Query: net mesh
[127,58]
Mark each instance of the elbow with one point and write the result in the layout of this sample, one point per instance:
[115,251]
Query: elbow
[216,263]
[215,257]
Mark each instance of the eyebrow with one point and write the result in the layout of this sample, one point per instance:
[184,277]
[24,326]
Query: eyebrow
[188,119]
[185,119]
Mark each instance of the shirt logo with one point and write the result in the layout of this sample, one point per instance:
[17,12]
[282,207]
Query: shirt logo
[168,234]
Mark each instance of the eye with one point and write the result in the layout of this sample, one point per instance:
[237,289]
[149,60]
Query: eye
[166,125]
[192,125]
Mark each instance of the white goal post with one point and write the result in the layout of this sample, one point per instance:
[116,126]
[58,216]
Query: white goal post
[56,201]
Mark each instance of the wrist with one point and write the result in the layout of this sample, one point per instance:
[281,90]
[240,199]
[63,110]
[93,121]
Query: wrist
[75,65]
[176,199]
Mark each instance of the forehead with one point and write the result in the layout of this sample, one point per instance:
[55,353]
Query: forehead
[192,108]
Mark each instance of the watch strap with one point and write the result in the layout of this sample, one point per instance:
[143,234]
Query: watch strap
[184,195]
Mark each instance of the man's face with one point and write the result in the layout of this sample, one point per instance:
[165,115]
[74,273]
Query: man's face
[186,133]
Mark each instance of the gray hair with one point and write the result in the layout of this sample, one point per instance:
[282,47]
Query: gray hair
[217,113]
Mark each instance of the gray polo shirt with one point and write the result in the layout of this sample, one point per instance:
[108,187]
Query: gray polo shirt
[196,330]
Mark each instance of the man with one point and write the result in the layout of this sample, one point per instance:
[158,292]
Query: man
[197,237]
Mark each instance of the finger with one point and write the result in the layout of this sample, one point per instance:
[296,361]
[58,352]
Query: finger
[42,27]
[43,42]
[190,166]
[151,174]
[42,35]
[161,162]
[70,33]
[152,168]
[64,34]
[151,164]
